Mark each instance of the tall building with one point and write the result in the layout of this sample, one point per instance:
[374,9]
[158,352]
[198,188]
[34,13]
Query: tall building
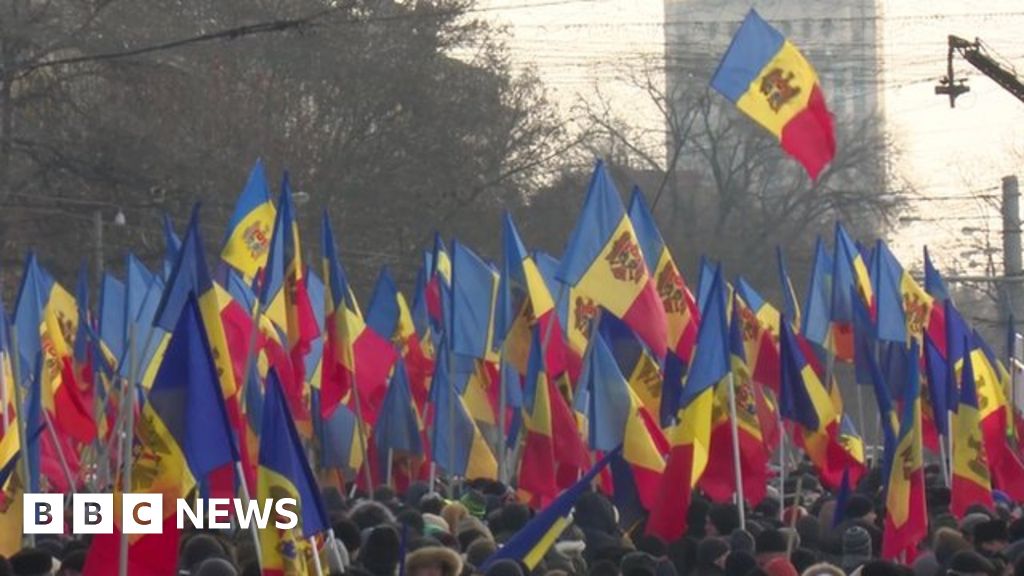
[841,39]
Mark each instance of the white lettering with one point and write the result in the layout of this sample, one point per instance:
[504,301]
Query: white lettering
[280,508]
[185,510]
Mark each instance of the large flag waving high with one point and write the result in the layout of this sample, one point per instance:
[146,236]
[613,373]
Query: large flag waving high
[767,78]
[247,241]
[604,264]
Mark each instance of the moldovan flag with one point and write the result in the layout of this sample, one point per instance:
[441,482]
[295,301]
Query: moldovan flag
[767,78]
[680,306]
[972,483]
[284,297]
[531,543]
[183,434]
[284,472]
[616,417]
[604,264]
[690,436]
[804,401]
[11,482]
[247,241]
[906,518]
[551,437]
[719,480]
[354,353]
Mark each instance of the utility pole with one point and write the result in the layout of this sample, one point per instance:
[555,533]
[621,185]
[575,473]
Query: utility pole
[1012,294]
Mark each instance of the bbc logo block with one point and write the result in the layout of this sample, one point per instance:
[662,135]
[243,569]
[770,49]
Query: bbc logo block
[92,514]
[145,514]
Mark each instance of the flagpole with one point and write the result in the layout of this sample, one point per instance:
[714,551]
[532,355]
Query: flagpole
[316,557]
[247,371]
[127,440]
[736,451]
[782,468]
[499,450]
[333,542]
[943,462]
[48,422]
[4,400]
[390,466]
[451,425]
[22,423]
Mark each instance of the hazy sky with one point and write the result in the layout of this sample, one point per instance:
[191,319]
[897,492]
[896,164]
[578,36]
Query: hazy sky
[954,158]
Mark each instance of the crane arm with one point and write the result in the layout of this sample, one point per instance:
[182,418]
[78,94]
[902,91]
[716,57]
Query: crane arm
[979,57]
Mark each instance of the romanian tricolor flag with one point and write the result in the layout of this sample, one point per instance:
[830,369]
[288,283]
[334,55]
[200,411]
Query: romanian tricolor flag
[680,306]
[247,241]
[183,435]
[616,417]
[690,436]
[284,472]
[767,78]
[605,266]
[906,518]
[551,436]
[533,540]
[972,482]
[353,352]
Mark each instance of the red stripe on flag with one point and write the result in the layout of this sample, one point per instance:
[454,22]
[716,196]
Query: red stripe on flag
[809,136]
[646,316]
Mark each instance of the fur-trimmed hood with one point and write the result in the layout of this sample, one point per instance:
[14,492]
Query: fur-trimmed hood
[451,563]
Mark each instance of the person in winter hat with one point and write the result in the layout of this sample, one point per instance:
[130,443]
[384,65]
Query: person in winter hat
[770,544]
[379,552]
[856,548]
[433,561]
[32,562]
[823,569]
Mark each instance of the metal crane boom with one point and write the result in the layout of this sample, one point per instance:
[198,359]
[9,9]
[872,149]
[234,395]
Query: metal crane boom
[981,58]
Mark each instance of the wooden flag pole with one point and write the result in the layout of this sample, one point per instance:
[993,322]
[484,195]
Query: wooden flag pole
[736,451]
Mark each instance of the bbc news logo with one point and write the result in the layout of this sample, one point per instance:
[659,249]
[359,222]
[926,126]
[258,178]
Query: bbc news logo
[144,513]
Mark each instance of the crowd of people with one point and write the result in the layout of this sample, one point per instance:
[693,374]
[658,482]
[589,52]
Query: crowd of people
[422,533]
